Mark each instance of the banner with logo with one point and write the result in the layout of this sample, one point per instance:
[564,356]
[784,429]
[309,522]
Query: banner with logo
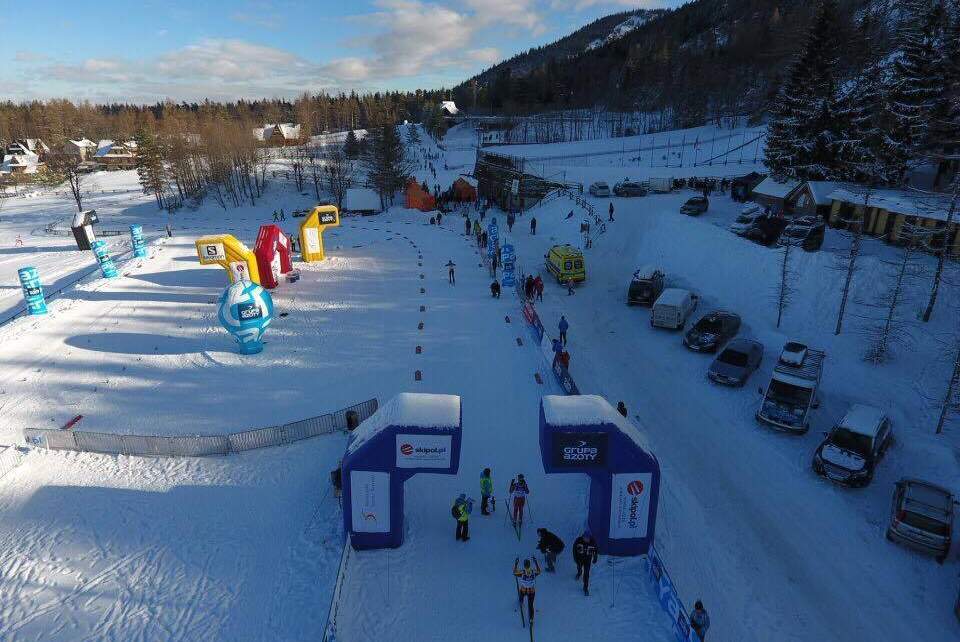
[579,449]
[311,240]
[423,451]
[370,501]
[213,252]
[669,598]
[630,505]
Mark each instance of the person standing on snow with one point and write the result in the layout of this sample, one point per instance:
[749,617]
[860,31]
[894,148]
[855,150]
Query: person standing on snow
[533,226]
[538,287]
[466,224]
[486,491]
[585,555]
[495,289]
[551,546]
[611,210]
[462,509]
[511,219]
[699,620]
[476,227]
[569,286]
[557,349]
[563,326]
[451,277]
[519,491]
[622,408]
[527,582]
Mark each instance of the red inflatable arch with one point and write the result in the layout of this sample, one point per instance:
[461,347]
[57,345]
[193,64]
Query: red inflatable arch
[273,255]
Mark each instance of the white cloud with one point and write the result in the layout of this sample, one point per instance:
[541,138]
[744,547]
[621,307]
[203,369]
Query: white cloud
[518,13]
[580,5]
[30,57]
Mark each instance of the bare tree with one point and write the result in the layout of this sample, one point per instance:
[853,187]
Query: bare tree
[948,402]
[338,173]
[944,251]
[785,283]
[854,224]
[66,166]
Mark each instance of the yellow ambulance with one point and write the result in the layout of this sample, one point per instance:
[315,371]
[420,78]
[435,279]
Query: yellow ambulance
[566,262]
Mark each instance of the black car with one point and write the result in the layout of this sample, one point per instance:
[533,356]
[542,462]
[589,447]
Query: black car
[645,286]
[629,188]
[806,232]
[712,331]
[852,449]
[695,206]
[766,229]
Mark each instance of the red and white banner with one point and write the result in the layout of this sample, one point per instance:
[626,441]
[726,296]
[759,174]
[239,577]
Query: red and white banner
[630,505]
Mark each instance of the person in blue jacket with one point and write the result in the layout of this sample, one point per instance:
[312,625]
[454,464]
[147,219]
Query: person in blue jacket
[563,326]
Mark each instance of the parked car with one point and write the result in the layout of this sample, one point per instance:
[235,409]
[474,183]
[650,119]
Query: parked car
[712,331]
[565,263]
[853,447]
[672,308]
[629,188]
[735,363]
[792,391]
[600,188]
[645,286]
[806,232]
[766,229]
[745,220]
[922,517]
[695,206]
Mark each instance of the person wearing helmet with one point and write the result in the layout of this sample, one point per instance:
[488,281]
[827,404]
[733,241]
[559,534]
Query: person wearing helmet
[527,582]
[585,555]
[518,492]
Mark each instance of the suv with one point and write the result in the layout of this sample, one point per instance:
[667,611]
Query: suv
[629,188]
[600,188]
[745,220]
[852,449]
[922,517]
[695,206]
[646,286]
[712,331]
[806,232]
[766,229]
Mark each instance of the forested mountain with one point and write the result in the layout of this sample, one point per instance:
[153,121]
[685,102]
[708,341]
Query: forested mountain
[705,58]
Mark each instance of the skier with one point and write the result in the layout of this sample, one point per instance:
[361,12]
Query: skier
[538,286]
[526,583]
[533,225]
[563,326]
[551,546]
[467,226]
[276,216]
[585,555]
[519,491]
[611,210]
[451,277]
[699,620]
[486,491]
[622,408]
[557,349]
[283,216]
[511,219]
[528,287]
[495,289]
[461,510]
[439,218]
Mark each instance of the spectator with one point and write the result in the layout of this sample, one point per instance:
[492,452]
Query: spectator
[699,620]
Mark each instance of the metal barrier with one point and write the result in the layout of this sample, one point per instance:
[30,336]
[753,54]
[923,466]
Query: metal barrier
[197,445]
[330,631]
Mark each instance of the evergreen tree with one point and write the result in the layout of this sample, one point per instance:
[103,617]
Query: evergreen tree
[351,146]
[385,162]
[809,132]
[150,165]
[413,136]
[870,157]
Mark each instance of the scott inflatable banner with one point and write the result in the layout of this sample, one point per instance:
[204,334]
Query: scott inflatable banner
[107,267]
[137,241]
[32,290]
[584,434]
[410,434]
[246,309]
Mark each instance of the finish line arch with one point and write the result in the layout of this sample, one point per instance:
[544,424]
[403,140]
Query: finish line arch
[412,433]
[584,434]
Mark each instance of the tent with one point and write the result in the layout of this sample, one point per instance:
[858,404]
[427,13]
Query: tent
[418,199]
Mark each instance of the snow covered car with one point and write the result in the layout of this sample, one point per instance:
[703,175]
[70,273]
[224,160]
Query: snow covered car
[745,219]
[695,206]
[629,188]
[766,229]
[645,286]
[922,517]
[852,449]
[600,188]
[791,394]
[806,232]
[712,331]
[735,363]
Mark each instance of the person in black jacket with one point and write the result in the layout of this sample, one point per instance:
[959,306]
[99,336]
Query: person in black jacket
[551,546]
[585,555]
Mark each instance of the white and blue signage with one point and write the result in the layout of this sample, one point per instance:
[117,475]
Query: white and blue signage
[246,309]
[493,237]
[669,599]
[138,242]
[107,267]
[509,265]
[32,290]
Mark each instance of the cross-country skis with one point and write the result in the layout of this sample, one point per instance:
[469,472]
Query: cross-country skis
[523,621]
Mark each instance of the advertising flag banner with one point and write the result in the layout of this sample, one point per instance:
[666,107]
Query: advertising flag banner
[423,451]
[311,239]
[370,501]
[630,505]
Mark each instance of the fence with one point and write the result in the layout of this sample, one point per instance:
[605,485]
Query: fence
[330,632]
[669,598]
[197,445]
[10,458]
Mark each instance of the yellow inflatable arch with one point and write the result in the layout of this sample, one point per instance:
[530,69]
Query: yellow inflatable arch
[311,231]
[230,254]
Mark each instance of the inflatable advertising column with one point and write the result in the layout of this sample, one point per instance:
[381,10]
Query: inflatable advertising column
[138,242]
[107,268]
[584,434]
[230,254]
[246,309]
[410,434]
[509,265]
[32,290]
[311,231]
[493,237]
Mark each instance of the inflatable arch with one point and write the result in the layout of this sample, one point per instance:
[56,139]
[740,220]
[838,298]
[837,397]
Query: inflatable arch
[584,434]
[311,231]
[410,434]
[274,257]
[230,254]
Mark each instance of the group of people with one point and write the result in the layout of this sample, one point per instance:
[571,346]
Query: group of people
[533,288]
[560,354]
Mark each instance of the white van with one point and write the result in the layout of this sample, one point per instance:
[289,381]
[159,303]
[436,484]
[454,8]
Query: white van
[672,308]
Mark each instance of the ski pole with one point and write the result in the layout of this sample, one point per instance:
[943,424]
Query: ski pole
[529,508]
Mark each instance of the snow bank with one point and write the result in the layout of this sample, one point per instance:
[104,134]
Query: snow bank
[439,412]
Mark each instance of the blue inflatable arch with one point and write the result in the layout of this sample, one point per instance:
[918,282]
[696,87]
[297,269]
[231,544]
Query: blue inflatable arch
[410,434]
[584,434]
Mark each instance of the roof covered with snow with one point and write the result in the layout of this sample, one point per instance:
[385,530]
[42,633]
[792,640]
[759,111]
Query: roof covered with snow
[450,107]
[821,190]
[897,201]
[588,410]
[361,199]
[469,180]
[437,412]
[672,296]
[775,189]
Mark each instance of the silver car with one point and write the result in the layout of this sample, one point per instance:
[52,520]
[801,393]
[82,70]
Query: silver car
[922,517]
[600,188]
[735,363]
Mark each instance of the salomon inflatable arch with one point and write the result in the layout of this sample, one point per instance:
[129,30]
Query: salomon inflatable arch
[410,434]
[584,434]
[230,254]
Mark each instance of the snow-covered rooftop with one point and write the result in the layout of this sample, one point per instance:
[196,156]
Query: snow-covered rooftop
[469,180]
[821,190]
[672,296]
[439,412]
[450,107]
[645,271]
[908,203]
[775,189]
[589,410]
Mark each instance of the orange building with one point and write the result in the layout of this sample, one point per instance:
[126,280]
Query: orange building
[463,190]
[418,199]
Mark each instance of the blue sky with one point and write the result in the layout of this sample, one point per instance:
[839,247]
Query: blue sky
[148,50]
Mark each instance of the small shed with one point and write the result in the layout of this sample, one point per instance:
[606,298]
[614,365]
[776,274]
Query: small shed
[362,201]
[82,228]
[741,188]
[416,198]
[812,198]
[464,189]
[773,193]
